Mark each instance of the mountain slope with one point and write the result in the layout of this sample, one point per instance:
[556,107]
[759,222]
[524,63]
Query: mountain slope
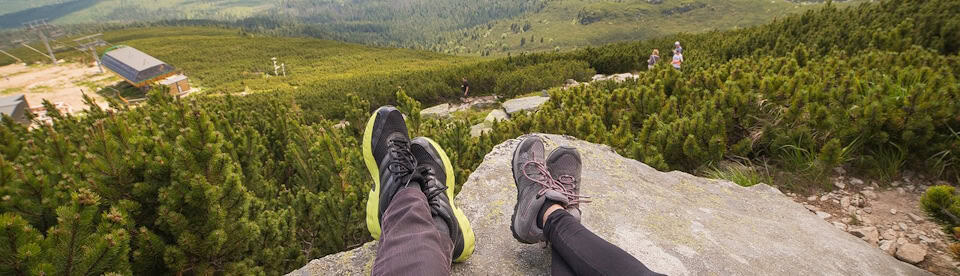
[484,27]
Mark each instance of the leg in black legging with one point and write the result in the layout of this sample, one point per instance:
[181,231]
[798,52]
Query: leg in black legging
[559,267]
[584,252]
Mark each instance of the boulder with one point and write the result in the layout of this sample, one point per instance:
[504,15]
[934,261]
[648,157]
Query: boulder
[673,222]
[496,115]
[867,234]
[480,129]
[911,253]
[889,247]
[524,104]
[437,111]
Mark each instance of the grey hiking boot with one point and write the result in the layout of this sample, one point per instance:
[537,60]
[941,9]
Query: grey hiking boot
[534,188]
[564,165]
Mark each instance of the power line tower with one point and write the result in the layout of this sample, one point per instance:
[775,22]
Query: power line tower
[282,66]
[89,44]
[45,31]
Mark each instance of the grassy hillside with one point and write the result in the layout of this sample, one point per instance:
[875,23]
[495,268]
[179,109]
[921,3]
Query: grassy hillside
[565,25]
[488,27]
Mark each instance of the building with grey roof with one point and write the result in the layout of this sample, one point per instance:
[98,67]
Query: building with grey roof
[16,107]
[134,66]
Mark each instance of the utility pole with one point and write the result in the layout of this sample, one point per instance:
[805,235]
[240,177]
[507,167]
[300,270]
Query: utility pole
[275,67]
[41,27]
[89,44]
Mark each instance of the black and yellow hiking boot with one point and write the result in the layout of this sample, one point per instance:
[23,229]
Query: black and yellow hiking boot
[386,152]
[436,177]
[564,165]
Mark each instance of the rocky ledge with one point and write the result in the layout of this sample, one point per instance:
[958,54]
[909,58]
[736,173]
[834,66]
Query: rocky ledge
[673,222]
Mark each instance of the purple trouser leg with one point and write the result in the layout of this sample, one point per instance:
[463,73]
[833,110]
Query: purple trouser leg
[410,243]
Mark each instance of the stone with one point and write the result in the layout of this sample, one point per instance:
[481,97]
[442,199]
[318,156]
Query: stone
[812,198]
[437,111]
[845,203]
[840,170]
[598,77]
[868,210]
[811,208]
[524,104]
[869,194]
[867,234]
[893,211]
[570,83]
[895,183]
[496,115]
[673,222]
[903,226]
[902,241]
[901,191]
[911,253]
[856,181]
[889,247]
[840,184]
[839,225]
[889,235]
[480,129]
[858,201]
[824,198]
[915,218]
[910,188]
[823,215]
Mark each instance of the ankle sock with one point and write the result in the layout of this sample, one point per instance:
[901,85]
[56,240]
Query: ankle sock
[543,209]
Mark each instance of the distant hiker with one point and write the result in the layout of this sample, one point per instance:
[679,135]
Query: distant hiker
[654,58]
[677,59]
[411,208]
[466,87]
[677,48]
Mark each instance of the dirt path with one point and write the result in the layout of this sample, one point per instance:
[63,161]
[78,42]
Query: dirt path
[57,83]
[888,215]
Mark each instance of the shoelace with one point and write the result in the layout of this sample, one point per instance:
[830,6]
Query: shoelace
[565,184]
[403,161]
[431,191]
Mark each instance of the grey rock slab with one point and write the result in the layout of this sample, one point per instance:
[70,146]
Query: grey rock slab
[437,111]
[480,129]
[496,115]
[524,104]
[673,222]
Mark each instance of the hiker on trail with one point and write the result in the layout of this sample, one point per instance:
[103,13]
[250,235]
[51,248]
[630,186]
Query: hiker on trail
[677,60]
[411,208]
[465,87]
[654,58]
[677,48]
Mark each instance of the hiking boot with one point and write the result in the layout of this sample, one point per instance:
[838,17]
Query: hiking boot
[436,177]
[534,188]
[386,152]
[564,165]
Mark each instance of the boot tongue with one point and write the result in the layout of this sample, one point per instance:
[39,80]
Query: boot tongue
[557,196]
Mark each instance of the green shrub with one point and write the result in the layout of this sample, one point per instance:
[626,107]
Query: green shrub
[941,202]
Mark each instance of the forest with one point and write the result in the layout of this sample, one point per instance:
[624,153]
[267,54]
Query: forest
[262,183]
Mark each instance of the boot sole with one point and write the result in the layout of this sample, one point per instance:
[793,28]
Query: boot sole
[373,199]
[468,236]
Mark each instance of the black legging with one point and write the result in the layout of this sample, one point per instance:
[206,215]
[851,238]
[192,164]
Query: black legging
[578,251]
